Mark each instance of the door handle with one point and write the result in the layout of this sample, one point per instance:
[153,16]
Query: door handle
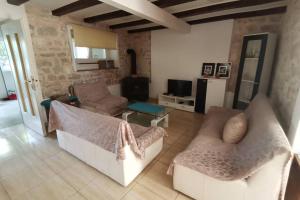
[32,84]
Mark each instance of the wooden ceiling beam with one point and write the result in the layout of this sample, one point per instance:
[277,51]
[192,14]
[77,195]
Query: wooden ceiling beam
[200,11]
[152,28]
[16,2]
[129,24]
[264,12]
[270,11]
[121,13]
[223,6]
[169,3]
[107,16]
[147,10]
[75,6]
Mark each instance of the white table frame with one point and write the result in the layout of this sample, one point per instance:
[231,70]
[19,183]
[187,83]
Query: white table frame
[154,122]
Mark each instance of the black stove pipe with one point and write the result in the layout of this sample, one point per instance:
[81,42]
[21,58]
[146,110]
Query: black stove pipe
[132,54]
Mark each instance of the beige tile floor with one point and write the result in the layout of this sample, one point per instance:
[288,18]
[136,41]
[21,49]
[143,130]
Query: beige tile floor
[35,168]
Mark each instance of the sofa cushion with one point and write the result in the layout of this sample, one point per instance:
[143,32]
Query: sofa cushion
[215,120]
[92,92]
[112,104]
[235,128]
[93,109]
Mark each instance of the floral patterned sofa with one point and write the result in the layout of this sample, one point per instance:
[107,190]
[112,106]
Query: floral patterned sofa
[96,97]
[255,168]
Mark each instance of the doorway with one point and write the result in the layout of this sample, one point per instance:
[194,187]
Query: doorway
[26,88]
[10,113]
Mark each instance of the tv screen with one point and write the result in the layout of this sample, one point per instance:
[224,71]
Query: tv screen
[179,88]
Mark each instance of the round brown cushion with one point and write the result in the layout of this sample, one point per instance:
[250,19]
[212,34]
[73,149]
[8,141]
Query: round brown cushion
[235,129]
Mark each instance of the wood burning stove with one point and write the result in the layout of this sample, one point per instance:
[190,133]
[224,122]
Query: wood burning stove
[134,87]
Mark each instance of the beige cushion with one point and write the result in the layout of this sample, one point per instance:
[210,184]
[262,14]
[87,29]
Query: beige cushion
[92,92]
[235,128]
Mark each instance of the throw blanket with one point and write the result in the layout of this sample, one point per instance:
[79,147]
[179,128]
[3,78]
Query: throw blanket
[112,134]
[265,139]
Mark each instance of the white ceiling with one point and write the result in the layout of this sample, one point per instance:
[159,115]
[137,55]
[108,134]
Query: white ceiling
[213,14]
[104,8]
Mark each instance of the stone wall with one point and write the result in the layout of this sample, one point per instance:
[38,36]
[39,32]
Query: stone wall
[141,43]
[123,56]
[247,26]
[286,81]
[53,54]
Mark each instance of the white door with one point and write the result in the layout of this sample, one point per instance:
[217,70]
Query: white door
[25,80]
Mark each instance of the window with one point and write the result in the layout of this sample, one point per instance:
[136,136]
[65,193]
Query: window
[82,52]
[90,53]
[93,49]
[98,53]
[4,61]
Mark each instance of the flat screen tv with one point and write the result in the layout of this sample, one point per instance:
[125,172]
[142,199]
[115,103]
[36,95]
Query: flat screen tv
[179,88]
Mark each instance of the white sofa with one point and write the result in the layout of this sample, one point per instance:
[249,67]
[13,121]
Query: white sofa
[263,185]
[111,145]
[122,171]
[266,182]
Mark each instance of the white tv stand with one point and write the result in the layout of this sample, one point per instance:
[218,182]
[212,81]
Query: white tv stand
[180,103]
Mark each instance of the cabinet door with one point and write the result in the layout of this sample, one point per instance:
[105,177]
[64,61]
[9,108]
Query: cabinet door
[215,93]
[251,64]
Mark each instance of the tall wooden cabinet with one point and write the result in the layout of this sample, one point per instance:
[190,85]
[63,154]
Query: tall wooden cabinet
[255,68]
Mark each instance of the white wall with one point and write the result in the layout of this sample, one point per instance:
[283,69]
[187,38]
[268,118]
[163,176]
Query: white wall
[180,56]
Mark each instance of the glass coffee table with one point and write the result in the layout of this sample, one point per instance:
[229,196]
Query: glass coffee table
[156,113]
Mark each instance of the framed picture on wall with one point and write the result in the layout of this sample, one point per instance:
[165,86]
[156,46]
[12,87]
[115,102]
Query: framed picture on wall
[208,69]
[223,70]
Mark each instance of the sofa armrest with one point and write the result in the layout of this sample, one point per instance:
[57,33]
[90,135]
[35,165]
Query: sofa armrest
[150,136]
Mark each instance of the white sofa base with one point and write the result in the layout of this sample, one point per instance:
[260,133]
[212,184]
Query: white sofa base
[122,171]
[262,185]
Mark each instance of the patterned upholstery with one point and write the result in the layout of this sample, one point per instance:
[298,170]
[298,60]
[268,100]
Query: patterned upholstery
[96,97]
